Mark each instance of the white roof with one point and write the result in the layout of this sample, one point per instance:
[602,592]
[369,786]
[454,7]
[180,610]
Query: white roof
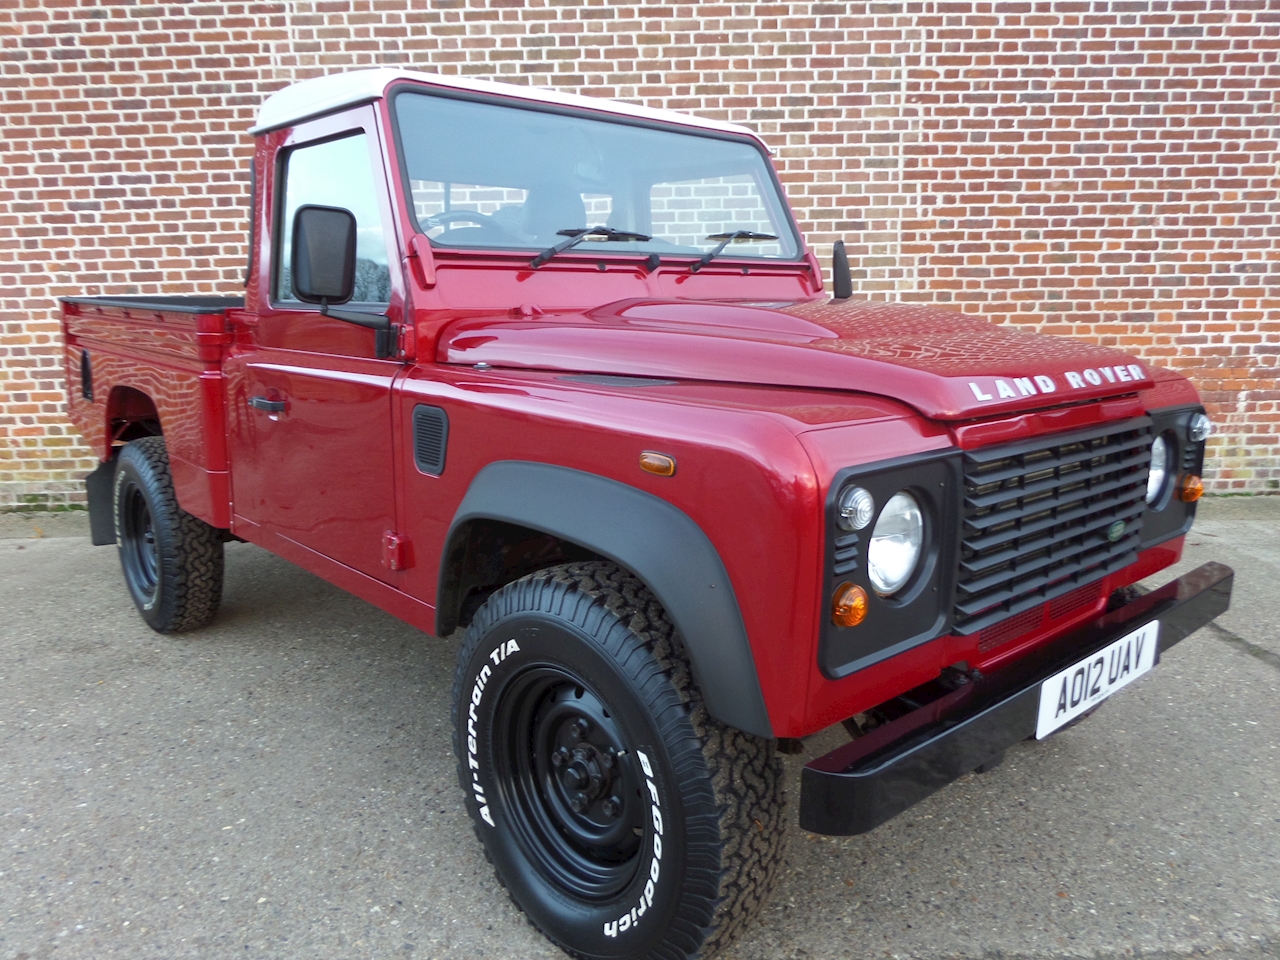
[310,98]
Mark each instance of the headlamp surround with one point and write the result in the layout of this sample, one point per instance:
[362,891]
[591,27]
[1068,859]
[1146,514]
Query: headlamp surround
[921,581]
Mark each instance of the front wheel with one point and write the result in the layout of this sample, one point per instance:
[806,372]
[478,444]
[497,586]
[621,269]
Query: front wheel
[172,561]
[621,818]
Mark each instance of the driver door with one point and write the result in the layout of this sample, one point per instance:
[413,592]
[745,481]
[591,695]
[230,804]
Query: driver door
[310,428]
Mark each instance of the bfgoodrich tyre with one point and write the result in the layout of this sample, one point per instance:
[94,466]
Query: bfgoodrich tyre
[172,561]
[621,818]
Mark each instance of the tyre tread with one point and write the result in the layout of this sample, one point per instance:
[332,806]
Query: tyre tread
[194,584]
[742,814]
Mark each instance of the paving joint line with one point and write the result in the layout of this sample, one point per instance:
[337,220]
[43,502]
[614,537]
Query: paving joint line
[1262,948]
[1269,657]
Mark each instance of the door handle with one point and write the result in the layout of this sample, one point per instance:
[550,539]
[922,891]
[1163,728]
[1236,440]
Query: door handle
[270,406]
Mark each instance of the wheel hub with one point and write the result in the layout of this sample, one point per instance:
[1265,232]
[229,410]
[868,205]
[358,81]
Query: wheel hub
[584,761]
[586,775]
[138,545]
[575,788]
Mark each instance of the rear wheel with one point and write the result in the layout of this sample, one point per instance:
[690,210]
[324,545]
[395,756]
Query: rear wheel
[172,561]
[621,818]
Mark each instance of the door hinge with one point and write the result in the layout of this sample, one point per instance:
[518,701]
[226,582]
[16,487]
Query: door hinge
[396,551]
[407,344]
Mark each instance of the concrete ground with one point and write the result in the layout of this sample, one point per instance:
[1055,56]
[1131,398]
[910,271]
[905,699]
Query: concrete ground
[281,784]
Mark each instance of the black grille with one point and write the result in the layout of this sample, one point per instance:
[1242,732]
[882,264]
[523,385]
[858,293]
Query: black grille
[1190,457]
[430,436]
[1040,520]
[846,553]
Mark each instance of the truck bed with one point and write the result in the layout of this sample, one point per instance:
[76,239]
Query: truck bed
[140,364]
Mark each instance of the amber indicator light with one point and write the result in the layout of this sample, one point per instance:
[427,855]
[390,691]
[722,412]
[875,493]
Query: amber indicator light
[1191,489]
[658,463]
[849,605]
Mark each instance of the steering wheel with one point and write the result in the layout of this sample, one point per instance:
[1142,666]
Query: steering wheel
[486,229]
[466,216]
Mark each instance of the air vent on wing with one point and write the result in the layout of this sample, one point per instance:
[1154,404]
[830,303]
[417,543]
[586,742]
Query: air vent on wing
[430,437]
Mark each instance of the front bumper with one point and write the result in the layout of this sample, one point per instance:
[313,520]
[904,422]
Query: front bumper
[860,785]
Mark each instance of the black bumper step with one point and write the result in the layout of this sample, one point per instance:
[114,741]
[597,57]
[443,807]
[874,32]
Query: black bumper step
[868,781]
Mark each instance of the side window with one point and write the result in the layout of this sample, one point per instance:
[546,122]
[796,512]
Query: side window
[336,173]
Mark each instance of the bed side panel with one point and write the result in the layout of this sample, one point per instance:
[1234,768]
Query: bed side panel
[171,357]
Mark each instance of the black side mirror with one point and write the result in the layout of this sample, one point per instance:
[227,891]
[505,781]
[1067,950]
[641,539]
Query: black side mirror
[323,264]
[841,279]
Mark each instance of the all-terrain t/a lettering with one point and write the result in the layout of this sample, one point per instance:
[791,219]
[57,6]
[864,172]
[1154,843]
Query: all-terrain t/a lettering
[477,691]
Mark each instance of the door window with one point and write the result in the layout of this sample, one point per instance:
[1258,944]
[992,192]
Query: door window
[336,173]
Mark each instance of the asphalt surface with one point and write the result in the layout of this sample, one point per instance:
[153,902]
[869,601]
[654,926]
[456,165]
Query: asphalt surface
[281,784]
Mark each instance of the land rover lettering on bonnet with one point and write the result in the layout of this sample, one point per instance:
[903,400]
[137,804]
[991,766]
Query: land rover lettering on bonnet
[1040,383]
[556,378]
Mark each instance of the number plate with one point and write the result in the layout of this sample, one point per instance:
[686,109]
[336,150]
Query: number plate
[1081,687]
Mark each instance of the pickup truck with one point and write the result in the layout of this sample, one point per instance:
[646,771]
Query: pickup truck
[557,376]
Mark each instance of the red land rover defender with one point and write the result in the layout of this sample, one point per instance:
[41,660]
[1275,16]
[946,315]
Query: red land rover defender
[561,373]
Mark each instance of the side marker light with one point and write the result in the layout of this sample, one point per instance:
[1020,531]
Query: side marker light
[658,463]
[1190,489]
[849,605]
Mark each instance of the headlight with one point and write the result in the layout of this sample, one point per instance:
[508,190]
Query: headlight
[1199,428]
[1159,469]
[894,550]
[856,508]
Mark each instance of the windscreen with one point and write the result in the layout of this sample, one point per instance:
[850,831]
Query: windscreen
[486,175]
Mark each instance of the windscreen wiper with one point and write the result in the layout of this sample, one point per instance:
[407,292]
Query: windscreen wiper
[738,236]
[576,236]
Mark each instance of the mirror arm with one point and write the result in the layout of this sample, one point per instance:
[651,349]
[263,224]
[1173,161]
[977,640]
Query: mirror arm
[374,321]
[841,278]
[384,342]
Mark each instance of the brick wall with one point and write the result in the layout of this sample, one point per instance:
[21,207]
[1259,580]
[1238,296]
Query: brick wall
[1105,170]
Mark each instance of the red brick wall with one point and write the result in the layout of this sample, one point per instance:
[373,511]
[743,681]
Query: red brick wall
[1106,170]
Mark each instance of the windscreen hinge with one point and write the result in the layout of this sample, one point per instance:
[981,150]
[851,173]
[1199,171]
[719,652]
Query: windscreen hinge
[421,262]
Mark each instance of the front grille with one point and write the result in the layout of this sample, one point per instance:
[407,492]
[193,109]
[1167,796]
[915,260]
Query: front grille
[1068,604]
[1038,618]
[1040,519]
[1020,624]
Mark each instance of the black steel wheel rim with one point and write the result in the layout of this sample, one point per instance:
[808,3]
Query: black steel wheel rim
[138,541]
[568,777]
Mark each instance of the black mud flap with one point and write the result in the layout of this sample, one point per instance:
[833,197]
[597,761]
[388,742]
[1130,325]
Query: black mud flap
[102,522]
